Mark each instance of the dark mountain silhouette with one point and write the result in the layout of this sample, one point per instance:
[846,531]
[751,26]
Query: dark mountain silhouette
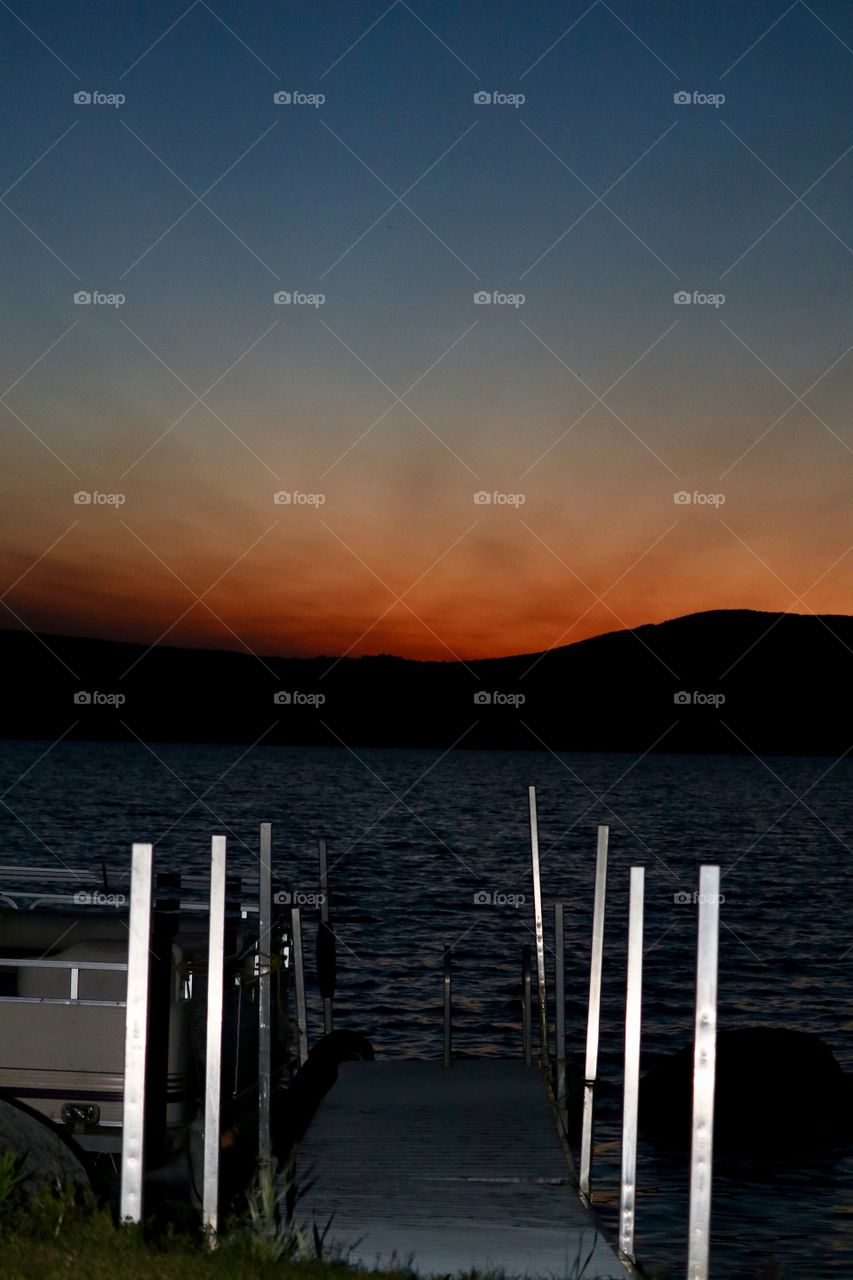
[785,680]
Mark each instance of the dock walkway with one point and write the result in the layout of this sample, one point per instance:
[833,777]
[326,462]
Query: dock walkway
[448,1170]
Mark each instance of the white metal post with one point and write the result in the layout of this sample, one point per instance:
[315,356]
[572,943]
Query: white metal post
[540,937]
[264,990]
[594,1010]
[136,1032]
[324,923]
[704,1068]
[633,1008]
[560,1012]
[213,1061]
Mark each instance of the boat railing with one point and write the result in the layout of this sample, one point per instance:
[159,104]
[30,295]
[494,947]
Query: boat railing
[109,887]
[74,967]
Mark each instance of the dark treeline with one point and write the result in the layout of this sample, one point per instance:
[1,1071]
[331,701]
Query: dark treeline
[725,681]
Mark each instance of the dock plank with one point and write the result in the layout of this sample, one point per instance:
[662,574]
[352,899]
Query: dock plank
[448,1171]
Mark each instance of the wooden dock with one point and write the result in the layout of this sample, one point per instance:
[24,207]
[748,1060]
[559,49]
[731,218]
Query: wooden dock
[449,1170]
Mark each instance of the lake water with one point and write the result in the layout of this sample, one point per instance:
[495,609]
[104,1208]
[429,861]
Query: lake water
[414,835]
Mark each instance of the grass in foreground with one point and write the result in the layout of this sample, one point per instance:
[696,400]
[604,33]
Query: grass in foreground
[56,1238]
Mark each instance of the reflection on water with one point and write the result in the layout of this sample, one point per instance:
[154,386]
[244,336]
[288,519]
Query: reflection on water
[414,836]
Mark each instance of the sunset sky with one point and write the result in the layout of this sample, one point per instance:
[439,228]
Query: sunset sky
[398,398]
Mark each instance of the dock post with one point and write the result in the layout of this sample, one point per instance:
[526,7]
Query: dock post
[633,1008]
[264,991]
[233,914]
[526,1007]
[213,1057]
[593,1011]
[326,949]
[448,1026]
[136,1033]
[299,984]
[560,1014]
[164,924]
[540,937]
[704,1068]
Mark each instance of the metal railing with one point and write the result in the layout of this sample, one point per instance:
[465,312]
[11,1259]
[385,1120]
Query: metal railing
[704,1042]
[75,967]
[103,889]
